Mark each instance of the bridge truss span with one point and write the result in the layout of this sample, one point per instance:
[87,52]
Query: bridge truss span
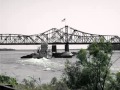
[57,36]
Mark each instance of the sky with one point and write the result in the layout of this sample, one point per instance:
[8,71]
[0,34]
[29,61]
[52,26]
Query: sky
[36,16]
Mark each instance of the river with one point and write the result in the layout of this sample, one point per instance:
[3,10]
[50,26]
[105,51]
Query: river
[11,64]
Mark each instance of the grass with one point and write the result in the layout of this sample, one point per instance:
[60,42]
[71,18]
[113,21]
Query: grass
[32,84]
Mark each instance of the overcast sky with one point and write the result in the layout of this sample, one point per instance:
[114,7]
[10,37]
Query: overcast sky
[36,16]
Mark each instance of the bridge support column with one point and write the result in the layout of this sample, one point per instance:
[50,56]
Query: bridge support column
[54,48]
[67,47]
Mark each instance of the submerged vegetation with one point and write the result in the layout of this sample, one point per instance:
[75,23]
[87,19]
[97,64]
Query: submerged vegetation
[90,72]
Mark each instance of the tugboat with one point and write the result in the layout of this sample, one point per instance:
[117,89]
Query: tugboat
[43,51]
[40,53]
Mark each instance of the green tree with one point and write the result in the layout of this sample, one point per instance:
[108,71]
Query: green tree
[114,82]
[92,70]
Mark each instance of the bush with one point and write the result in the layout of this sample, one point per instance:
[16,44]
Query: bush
[8,80]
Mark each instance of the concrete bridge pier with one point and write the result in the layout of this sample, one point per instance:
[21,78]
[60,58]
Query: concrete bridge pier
[54,48]
[66,47]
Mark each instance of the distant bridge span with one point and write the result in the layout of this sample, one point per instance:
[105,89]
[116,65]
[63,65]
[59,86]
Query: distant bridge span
[57,36]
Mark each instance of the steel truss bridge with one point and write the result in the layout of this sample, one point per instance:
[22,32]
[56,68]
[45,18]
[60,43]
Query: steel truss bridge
[57,36]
